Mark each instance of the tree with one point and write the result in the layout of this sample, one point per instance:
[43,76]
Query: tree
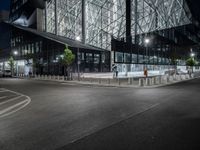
[67,59]
[11,64]
[191,62]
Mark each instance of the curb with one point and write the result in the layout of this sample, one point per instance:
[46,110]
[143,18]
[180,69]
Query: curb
[107,85]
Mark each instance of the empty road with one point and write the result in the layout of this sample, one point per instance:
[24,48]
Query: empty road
[58,116]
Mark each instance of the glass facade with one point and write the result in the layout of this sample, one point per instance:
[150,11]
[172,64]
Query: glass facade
[107,18]
[41,55]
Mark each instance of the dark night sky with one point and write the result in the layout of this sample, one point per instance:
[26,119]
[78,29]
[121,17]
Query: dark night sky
[4,4]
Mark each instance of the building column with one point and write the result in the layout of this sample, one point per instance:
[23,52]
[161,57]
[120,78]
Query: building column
[45,16]
[136,29]
[83,21]
[128,22]
[56,17]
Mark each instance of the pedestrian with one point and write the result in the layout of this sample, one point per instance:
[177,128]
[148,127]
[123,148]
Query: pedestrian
[145,72]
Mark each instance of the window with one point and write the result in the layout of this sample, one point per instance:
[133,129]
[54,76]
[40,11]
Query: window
[96,58]
[127,58]
[89,58]
[118,57]
[141,59]
[134,58]
[37,47]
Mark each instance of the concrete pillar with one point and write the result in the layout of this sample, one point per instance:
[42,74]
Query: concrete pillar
[167,78]
[83,21]
[154,81]
[160,80]
[187,76]
[45,16]
[129,81]
[99,80]
[141,82]
[171,78]
[148,81]
[56,17]
[108,81]
[119,82]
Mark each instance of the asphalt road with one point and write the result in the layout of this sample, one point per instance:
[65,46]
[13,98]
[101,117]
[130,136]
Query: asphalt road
[73,117]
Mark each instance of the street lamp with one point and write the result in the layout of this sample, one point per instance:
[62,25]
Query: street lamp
[78,61]
[192,55]
[146,41]
[15,54]
[78,38]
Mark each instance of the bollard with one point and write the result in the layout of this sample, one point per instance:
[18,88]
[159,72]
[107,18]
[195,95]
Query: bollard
[99,80]
[167,79]
[119,81]
[148,81]
[154,81]
[132,81]
[141,82]
[129,81]
[160,80]
[170,78]
[192,75]
[187,76]
[108,81]
[164,79]
[178,77]
[181,77]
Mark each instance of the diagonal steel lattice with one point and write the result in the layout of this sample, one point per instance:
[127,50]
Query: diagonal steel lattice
[107,18]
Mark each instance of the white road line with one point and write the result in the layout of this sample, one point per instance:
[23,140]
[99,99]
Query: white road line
[3,97]
[12,107]
[10,110]
[14,111]
[10,100]
[3,91]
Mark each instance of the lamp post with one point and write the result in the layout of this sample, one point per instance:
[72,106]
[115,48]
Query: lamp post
[192,55]
[146,41]
[15,53]
[78,61]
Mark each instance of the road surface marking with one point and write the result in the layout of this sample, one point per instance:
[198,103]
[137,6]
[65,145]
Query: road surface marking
[3,97]
[11,109]
[10,100]
[3,91]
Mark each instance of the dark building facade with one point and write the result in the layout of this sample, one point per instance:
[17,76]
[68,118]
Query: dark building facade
[46,51]
[5,30]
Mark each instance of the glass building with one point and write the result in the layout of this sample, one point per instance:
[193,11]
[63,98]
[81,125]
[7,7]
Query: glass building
[129,34]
